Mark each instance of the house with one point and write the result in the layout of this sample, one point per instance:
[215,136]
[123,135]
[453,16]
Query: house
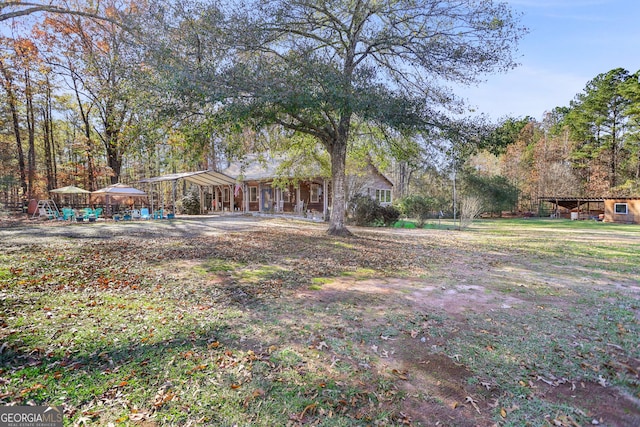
[265,184]
[268,185]
[624,210]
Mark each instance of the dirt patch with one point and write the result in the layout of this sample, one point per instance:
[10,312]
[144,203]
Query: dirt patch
[420,295]
[439,388]
[608,406]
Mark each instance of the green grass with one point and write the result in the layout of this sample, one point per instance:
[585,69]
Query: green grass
[225,331]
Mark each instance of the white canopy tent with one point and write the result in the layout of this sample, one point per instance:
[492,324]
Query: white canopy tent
[120,193]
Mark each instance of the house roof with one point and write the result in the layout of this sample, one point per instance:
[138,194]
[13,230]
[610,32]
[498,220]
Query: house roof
[256,168]
[253,168]
[261,168]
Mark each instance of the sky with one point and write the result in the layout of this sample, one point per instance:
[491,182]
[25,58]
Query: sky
[569,43]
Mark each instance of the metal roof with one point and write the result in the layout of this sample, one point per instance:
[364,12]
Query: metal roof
[203,178]
[571,202]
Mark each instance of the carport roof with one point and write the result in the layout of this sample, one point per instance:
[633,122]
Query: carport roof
[571,202]
[202,178]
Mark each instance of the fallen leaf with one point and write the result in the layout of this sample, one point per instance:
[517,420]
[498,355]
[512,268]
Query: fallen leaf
[469,399]
[322,345]
[402,375]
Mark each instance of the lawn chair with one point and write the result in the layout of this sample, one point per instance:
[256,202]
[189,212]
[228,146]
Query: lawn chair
[68,214]
[159,214]
[144,213]
[90,214]
[135,214]
[98,212]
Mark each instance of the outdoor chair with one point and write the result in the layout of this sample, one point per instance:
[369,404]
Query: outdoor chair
[135,214]
[68,214]
[159,214]
[90,214]
[144,213]
[98,212]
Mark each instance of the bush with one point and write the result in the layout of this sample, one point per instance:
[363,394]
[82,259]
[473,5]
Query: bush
[390,215]
[418,207]
[365,211]
[470,208]
[191,203]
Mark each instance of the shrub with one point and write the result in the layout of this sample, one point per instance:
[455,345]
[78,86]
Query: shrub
[470,208]
[418,207]
[365,211]
[191,203]
[390,215]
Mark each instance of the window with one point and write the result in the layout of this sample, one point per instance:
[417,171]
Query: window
[383,196]
[621,208]
[253,194]
[315,193]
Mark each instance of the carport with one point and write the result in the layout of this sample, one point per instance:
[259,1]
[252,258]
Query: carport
[575,205]
[218,182]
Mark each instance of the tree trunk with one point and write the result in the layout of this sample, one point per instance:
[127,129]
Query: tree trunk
[31,127]
[85,116]
[48,149]
[13,108]
[338,152]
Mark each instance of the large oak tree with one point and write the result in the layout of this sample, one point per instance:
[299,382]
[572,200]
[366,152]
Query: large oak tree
[317,66]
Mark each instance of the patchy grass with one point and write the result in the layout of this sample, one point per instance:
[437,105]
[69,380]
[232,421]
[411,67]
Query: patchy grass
[509,323]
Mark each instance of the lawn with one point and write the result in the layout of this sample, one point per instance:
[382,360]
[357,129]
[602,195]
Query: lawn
[240,321]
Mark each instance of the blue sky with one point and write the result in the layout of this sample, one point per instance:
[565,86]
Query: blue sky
[569,43]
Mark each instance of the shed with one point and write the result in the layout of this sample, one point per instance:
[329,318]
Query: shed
[625,210]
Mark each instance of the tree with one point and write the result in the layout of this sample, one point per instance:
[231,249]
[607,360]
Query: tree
[495,192]
[598,121]
[9,86]
[18,9]
[318,66]
[101,65]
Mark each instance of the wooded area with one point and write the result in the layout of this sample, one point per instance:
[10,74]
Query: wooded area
[97,94]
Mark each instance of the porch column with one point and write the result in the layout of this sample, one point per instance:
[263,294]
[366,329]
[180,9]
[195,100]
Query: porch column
[202,199]
[260,197]
[174,190]
[232,197]
[325,199]
[295,208]
[245,197]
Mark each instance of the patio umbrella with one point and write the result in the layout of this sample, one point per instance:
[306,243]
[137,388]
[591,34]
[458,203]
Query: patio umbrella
[69,189]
